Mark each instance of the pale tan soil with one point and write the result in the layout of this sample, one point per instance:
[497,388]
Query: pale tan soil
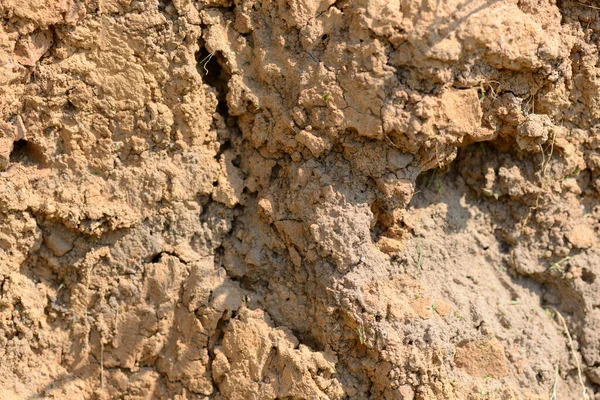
[299,199]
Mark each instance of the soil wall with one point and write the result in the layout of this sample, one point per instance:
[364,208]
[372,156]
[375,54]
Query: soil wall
[299,199]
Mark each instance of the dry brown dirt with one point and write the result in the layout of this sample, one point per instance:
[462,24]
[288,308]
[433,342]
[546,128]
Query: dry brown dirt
[299,199]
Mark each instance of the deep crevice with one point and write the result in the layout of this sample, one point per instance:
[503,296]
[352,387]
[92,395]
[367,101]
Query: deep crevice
[156,258]
[215,73]
[226,145]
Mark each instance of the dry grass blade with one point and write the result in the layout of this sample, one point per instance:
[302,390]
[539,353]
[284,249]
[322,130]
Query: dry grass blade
[588,6]
[573,352]
[554,387]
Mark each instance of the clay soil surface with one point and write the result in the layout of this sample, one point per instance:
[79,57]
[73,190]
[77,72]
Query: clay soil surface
[299,199]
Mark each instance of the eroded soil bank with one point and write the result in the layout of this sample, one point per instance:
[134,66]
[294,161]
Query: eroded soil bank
[299,199]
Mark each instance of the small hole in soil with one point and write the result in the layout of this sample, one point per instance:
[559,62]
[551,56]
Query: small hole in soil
[540,377]
[275,172]
[324,37]
[588,276]
[25,152]
[216,183]
[504,247]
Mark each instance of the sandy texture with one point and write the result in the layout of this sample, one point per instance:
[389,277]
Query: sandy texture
[301,199]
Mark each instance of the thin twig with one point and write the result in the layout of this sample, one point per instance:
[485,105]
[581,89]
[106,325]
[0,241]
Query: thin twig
[558,263]
[431,178]
[420,258]
[550,156]
[544,167]
[531,209]
[101,363]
